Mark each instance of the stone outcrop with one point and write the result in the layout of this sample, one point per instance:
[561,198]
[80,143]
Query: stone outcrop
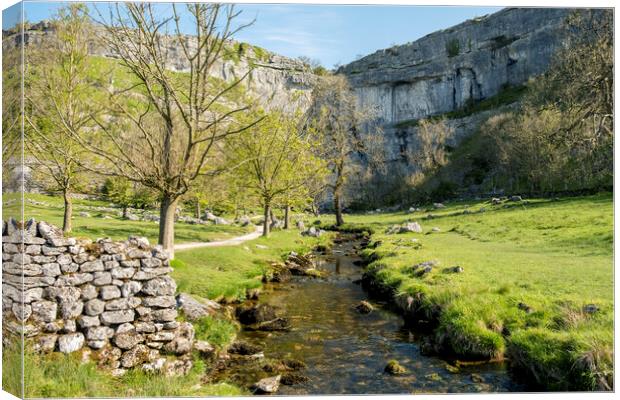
[444,70]
[278,81]
[452,68]
[116,298]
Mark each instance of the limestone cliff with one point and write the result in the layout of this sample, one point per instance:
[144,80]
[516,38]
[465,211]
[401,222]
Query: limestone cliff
[442,71]
[449,69]
[275,80]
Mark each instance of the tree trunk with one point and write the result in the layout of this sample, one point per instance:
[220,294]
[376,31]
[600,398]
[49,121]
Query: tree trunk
[66,222]
[287,211]
[166,223]
[198,211]
[338,208]
[125,211]
[266,221]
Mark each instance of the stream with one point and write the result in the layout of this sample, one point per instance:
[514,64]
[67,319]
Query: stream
[345,351]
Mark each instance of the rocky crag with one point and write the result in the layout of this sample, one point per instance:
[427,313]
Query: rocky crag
[451,69]
[113,301]
[276,81]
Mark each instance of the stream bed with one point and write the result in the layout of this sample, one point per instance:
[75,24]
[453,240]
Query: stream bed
[345,352]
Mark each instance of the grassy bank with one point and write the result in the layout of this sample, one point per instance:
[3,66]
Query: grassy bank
[95,226]
[60,375]
[528,272]
[228,272]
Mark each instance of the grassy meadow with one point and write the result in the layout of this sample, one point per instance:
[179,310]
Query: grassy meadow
[95,226]
[530,268]
[226,273]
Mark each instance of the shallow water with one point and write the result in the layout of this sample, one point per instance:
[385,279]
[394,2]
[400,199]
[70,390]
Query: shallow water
[345,351]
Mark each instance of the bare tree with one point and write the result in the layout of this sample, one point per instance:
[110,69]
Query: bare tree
[338,120]
[163,128]
[57,104]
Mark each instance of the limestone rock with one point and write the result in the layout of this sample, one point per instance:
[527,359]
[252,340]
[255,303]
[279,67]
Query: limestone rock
[44,310]
[70,342]
[84,321]
[109,292]
[128,340]
[117,317]
[99,333]
[135,356]
[183,340]
[364,307]
[94,307]
[162,286]
[267,385]
[194,309]
[46,343]
[203,347]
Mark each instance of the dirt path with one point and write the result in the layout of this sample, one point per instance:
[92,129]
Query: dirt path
[219,243]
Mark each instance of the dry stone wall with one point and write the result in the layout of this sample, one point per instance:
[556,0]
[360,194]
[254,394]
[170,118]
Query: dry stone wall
[115,300]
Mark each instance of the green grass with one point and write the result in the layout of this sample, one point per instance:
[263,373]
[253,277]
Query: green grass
[554,256]
[94,227]
[227,272]
[217,331]
[60,375]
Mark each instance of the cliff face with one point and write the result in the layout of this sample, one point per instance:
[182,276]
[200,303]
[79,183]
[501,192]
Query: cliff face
[274,80]
[449,69]
[442,71]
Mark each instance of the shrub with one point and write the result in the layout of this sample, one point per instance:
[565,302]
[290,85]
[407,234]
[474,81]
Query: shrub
[453,47]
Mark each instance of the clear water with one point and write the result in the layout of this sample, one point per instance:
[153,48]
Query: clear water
[346,352]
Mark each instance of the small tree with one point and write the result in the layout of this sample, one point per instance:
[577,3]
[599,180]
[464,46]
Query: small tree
[336,119]
[279,161]
[57,103]
[127,194]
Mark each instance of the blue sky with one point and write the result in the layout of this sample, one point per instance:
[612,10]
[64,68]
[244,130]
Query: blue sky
[331,34]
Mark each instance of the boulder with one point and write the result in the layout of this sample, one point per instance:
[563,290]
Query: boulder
[312,232]
[130,288]
[410,227]
[267,385]
[277,324]
[364,307]
[394,368]
[256,314]
[89,292]
[203,347]
[244,348]
[293,378]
